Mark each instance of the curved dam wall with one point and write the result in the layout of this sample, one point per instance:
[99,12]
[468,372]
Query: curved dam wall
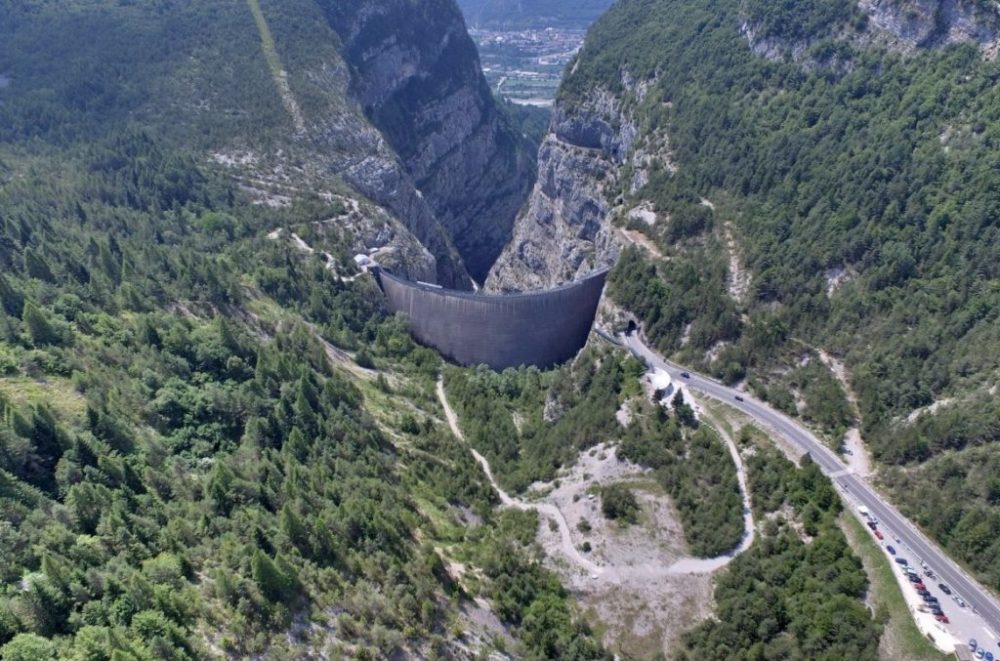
[538,328]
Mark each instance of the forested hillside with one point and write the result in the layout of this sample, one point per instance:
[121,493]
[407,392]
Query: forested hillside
[796,593]
[213,441]
[823,187]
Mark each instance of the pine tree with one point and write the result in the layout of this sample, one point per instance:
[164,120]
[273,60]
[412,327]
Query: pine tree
[11,300]
[40,329]
[36,266]
[274,579]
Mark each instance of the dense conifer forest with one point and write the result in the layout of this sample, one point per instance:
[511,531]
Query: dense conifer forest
[860,185]
[211,444]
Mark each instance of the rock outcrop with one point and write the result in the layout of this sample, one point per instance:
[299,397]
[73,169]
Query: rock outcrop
[415,72]
[906,26]
[911,24]
[360,155]
[565,231]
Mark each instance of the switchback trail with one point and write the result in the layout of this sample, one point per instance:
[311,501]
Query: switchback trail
[549,510]
[612,573]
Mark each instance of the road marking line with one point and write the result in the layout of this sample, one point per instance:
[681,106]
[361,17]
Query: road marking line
[989,633]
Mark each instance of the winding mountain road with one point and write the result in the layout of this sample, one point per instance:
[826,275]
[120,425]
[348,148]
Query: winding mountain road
[910,542]
[613,573]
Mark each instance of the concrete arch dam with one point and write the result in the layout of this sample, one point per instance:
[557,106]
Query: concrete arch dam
[541,328]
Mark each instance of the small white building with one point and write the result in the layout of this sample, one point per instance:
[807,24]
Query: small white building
[662,385]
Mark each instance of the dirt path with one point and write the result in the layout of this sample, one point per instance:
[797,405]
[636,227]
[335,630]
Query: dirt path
[568,548]
[615,573]
[328,260]
[739,277]
[639,239]
[277,70]
[856,452]
[749,527]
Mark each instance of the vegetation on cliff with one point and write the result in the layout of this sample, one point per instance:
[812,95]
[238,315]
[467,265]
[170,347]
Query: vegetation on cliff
[860,187]
[191,463]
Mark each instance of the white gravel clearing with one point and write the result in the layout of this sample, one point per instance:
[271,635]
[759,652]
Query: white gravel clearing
[637,581]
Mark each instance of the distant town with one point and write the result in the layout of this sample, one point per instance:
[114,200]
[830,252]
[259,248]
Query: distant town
[525,66]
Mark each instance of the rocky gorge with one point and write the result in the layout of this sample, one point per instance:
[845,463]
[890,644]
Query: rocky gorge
[415,73]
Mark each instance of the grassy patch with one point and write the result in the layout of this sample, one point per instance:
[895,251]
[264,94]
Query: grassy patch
[900,631]
[57,393]
[266,38]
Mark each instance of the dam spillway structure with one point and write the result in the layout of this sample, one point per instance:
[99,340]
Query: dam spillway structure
[542,328]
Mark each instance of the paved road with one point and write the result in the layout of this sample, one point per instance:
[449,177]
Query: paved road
[917,546]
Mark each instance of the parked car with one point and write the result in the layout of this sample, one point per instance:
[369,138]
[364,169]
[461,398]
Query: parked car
[901,561]
[944,588]
[943,619]
[872,525]
[913,578]
[891,550]
[739,398]
[879,535]
[958,600]
[920,586]
[936,610]
[973,644]
[988,656]
[686,375]
[980,653]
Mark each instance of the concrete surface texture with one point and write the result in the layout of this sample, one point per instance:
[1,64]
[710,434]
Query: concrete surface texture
[540,328]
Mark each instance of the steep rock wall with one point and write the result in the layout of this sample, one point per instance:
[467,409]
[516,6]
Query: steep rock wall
[911,24]
[359,154]
[564,231]
[416,74]
[905,26]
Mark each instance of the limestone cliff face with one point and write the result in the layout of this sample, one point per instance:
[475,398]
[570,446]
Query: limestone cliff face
[566,228]
[415,72]
[905,26]
[911,24]
[384,105]
[564,231]
[351,147]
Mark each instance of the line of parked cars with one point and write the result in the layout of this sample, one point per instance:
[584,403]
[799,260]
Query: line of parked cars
[981,652]
[931,603]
